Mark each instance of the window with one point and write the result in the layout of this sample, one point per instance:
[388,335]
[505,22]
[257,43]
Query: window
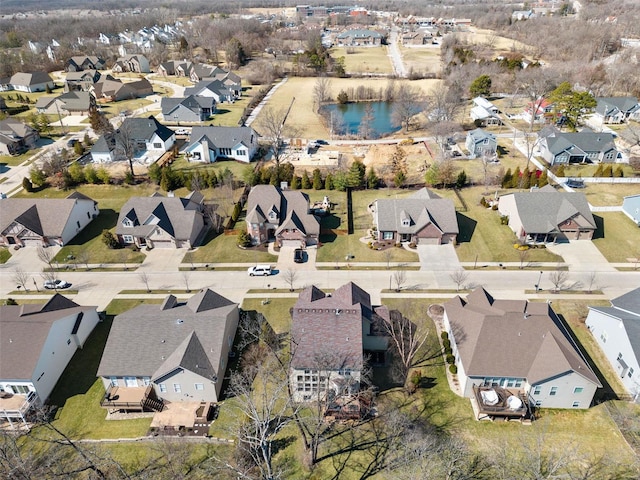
[157,145]
[619,356]
[177,388]
[575,404]
[553,391]
[387,235]
[603,337]
[146,381]
[127,223]
[68,341]
[630,374]
[199,386]
[578,390]
[127,238]
[162,387]
[537,390]
[78,223]
[114,381]
[538,403]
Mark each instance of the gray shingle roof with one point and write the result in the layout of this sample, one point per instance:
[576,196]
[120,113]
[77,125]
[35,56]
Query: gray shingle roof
[145,128]
[584,141]
[212,85]
[192,102]
[28,79]
[610,104]
[151,341]
[478,135]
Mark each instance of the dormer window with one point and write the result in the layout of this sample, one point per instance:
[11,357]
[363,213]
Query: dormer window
[127,223]
[406,222]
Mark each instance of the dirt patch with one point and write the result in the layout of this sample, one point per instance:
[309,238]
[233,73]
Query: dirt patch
[414,159]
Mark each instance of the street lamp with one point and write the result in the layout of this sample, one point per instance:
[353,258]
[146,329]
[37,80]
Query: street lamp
[538,284]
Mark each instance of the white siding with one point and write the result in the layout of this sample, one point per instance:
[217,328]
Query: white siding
[82,212]
[565,392]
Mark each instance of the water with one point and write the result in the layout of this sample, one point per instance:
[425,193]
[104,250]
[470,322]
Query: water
[347,118]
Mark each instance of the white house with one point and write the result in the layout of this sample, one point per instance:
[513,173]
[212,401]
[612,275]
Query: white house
[37,343]
[209,143]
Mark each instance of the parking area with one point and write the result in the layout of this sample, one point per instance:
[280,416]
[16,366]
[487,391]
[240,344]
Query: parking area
[438,257]
[286,259]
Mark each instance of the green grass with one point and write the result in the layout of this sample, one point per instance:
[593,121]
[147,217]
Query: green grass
[364,60]
[237,168]
[617,237]
[224,249]
[276,311]
[5,254]
[15,160]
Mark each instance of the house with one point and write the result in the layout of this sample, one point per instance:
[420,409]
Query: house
[330,335]
[162,222]
[548,215]
[132,63]
[578,147]
[282,216]
[149,136]
[29,222]
[84,62]
[484,112]
[617,109]
[616,329]
[359,38]
[207,73]
[108,89]
[200,71]
[31,82]
[516,348]
[207,144]
[539,111]
[37,343]
[421,37]
[179,68]
[481,144]
[72,103]
[175,352]
[422,218]
[188,109]
[82,80]
[211,88]
[631,208]
[16,137]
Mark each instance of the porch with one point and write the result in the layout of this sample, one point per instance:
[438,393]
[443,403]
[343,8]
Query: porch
[498,403]
[14,407]
[134,399]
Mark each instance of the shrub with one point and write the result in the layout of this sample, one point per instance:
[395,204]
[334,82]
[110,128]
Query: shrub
[10,301]
[237,209]
[446,343]
[244,240]
[453,369]
[494,207]
[504,220]
[444,335]
[483,202]
[448,351]
[27,185]
[451,359]
[109,239]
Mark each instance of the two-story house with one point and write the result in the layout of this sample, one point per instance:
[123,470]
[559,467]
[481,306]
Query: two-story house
[480,144]
[207,144]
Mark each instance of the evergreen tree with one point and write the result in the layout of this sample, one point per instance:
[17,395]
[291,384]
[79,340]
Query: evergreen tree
[506,180]
[328,182]
[155,173]
[27,185]
[515,179]
[526,179]
[543,179]
[317,179]
[399,178]
[560,171]
[103,176]
[355,176]
[461,181]
[608,171]
[295,182]
[37,176]
[619,172]
[90,174]
[305,183]
[598,172]
[372,178]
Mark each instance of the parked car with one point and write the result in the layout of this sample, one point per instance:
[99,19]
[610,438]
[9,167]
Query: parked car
[56,284]
[182,131]
[263,270]
[298,255]
[72,143]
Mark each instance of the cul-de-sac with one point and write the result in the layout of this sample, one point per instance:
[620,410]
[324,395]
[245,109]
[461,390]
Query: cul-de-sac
[267,240]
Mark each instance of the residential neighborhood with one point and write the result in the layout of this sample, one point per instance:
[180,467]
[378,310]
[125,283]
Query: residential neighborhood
[320,241]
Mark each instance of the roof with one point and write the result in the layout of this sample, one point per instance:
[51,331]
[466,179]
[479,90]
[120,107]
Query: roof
[12,127]
[174,215]
[359,33]
[192,102]
[215,86]
[145,128]
[586,141]
[421,209]
[33,78]
[153,340]
[222,137]
[512,338]
[478,135]
[608,105]
[44,216]
[265,198]
[629,302]
[542,210]
[24,330]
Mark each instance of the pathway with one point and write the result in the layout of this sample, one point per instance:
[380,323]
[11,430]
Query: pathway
[395,55]
[264,101]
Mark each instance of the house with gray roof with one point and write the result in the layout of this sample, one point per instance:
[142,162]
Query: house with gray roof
[578,147]
[517,348]
[178,68]
[37,341]
[360,38]
[132,63]
[162,222]
[31,82]
[35,222]
[480,144]
[616,329]
[173,352]
[211,88]
[82,80]
[78,63]
[282,216]
[16,137]
[617,109]
[208,144]
[194,108]
[631,208]
[423,218]
[109,89]
[547,215]
[330,336]
[484,112]
[71,103]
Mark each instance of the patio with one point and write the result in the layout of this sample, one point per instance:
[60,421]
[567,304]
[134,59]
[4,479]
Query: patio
[138,399]
[14,407]
[184,418]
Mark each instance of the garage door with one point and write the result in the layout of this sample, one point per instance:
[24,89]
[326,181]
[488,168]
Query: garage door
[291,243]
[32,242]
[429,241]
[162,244]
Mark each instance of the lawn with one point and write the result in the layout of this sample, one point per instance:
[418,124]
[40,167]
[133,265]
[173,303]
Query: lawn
[424,59]
[607,194]
[15,160]
[113,109]
[5,254]
[221,248]
[587,170]
[364,60]
[617,237]
[237,168]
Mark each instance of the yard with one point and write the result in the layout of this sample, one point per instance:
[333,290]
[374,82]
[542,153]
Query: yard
[364,60]
[423,60]
[607,194]
[617,237]
[5,254]
[223,248]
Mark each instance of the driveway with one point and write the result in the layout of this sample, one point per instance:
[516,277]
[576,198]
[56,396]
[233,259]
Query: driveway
[285,259]
[582,256]
[438,257]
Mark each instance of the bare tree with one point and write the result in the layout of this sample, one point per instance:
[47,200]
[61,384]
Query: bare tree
[271,125]
[46,255]
[444,104]
[407,103]
[388,253]
[321,91]
[20,277]
[290,277]
[399,278]
[126,144]
[559,279]
[123,254]
[144,278]
[186,277]
[591,279]
[523,254]
[83,257]
[459,277]
[406,340]
[365,130]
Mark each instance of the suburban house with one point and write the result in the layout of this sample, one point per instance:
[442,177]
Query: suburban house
[178,68]
[132,63]
[162,222]
[359,38]
[207,144]
[206,73]
[200,71]
[539,111]
[516,348]
[330,335]
[281,215]
[211,88]
[31,82]
[38,341]
[84,62]
[578,147]
[149,135]
[420,37]
[547,215]
[172,352]
[72,103]
[188,109]
[82,80]
[108,89]
[484,112]
[29,222]
[422,218]
[616,329]
[617,109]
[16,137]
[631,208]
[481,144]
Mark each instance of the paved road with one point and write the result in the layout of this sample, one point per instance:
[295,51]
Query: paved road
[395,55]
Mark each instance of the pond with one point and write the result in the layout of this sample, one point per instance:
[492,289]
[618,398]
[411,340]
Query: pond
[346,119]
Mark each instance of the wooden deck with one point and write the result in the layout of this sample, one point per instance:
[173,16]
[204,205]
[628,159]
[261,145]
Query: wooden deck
[502,407]
[137,399]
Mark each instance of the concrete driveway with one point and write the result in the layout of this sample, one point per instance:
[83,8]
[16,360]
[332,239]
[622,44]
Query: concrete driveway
[285,259]
[438,257]
[582,256]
